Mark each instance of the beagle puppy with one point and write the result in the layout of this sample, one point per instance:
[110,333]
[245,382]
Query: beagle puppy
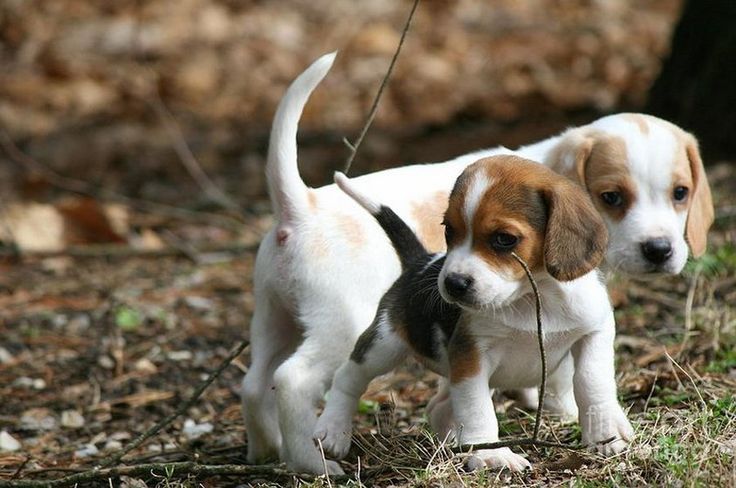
[468,314]
[321,271]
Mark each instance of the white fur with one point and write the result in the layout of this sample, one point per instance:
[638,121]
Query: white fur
[316,289]
[578,323]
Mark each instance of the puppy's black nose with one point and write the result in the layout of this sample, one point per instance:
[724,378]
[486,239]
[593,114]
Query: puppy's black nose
[657,250]
[457,285]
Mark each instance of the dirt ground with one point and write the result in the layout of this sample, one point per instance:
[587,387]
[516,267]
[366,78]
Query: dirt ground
[95,350]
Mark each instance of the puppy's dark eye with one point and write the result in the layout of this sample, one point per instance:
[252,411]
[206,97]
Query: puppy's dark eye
[449,231]
[612,198]
[501,241]
[680,193]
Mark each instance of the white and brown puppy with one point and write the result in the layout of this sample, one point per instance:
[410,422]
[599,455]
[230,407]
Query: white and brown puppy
[467,314]
[322,269]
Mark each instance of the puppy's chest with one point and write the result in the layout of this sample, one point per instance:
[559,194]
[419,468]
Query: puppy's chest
[515,358]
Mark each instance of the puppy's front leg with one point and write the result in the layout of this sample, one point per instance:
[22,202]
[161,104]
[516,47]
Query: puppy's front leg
[601,416]
[473,407]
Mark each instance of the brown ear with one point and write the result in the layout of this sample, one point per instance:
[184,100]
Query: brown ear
[570,155]
[700,214]
[576,237]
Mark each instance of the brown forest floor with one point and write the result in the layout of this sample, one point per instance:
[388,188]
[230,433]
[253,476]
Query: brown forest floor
[96,350]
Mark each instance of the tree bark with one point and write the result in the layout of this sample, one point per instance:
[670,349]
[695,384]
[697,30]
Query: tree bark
[696,88]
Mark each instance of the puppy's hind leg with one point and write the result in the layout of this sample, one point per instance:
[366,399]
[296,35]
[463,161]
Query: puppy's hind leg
[273,337]
[301,382]
[377,351]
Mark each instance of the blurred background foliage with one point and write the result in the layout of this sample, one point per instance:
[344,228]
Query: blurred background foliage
[81,80]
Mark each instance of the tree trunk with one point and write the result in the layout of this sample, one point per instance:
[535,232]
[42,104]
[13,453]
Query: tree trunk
[697,86]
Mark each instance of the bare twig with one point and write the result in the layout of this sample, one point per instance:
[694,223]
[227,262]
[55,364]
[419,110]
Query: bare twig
[540,339]
[324,462]
[526,441]
[124,251]
[169,470]
[353,147]
[183,408]
[14,250]
[83,188]
[689,308]
[186,156]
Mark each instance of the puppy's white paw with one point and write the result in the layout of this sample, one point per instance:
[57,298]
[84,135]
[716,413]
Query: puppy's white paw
[333,469]
[334,434]
[606,429]
[498,459]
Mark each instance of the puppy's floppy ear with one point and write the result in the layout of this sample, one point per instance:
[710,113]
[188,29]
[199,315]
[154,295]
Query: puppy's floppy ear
[570,155]
[700,214]
[576,237]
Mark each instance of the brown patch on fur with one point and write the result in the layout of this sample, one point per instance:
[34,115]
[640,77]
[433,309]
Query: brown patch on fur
[428,215]
[606,171]
[513,204]
[312,199]
[570,155]
[700,213]
[464,356]
[557,224]
[454,219]
[639,120]
[576,238]
[351,229]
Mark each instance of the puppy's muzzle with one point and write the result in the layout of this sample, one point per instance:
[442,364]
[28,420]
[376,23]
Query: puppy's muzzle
[458,285]
[657,250]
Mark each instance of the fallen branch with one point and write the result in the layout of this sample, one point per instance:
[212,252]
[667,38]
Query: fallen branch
[353,147]
[526,441]
[162,470]
[83,188]
[124,251]
[116,457]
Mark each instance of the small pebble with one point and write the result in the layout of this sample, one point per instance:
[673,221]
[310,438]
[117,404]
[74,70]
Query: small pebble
[87,451]
[199,303]
[179,355]
[113,445]
[145,365]
[192,430]
[8,442]
[72,419]
[38,419]
[5,356]
[26,382]
[106,362]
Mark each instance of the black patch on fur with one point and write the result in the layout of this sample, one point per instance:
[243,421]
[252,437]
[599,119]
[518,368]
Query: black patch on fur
[404,240]
[415,302]
[365,341]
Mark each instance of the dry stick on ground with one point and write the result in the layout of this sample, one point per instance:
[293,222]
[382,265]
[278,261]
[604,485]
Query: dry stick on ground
[183,408]
[125,251]
[371,115]
[83,188]
[164,470]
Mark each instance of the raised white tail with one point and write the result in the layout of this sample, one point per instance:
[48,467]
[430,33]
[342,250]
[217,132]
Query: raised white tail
[343,182]
[285,186]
